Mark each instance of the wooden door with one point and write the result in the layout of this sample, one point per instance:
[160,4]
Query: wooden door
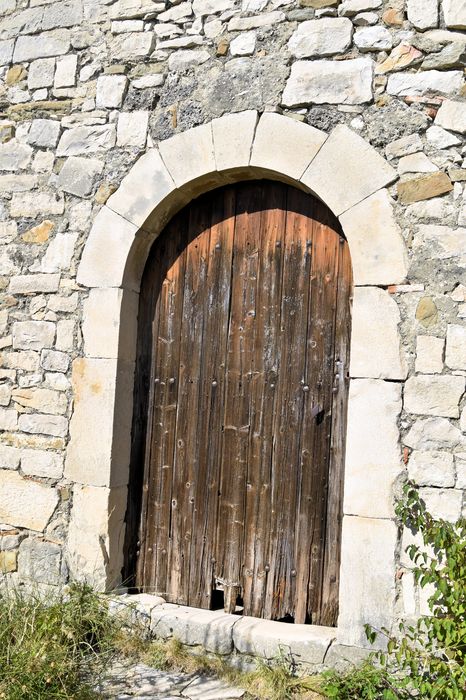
[240,405]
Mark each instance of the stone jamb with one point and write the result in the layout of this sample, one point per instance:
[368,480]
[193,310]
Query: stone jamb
[346,173]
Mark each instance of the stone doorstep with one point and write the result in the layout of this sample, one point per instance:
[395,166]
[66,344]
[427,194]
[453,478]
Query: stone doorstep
[221,633]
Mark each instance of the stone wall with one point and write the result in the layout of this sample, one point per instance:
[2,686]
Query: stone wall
[88,86]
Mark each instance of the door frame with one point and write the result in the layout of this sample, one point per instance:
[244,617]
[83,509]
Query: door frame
[348,175]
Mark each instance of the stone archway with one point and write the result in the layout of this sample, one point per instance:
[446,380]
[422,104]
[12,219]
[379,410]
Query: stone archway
[350,177]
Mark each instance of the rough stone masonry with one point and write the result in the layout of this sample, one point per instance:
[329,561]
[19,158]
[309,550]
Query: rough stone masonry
[87,86]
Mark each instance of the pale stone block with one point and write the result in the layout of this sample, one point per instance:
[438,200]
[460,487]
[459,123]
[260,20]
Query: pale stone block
[266,19]
[423,14]
[128,9]
[54,361]
[41,73]
[233,135]
[404,146]
[8,419]
[434,434]
[295,145]
[349,8]
[65,335]
[98,452]
[244,44]
[5,392]
[416,163]
[35,204]
[80,140]
[211,629]
[460,464]
[108,247]
[59,253]
[33,335]
[347,170]
[189,155]
[373,39]
[110,323]
[146,186]
[210,7]
[442,241]
[409,593]
[9,457]
[378,251]
[180,61]
[455,13]
[434,395]
[132,129]
[27,360]
[373,452]
[456,347]
[375,340]
[321,37]
[329,82]
[265,638]
[14,155]
[65,73]
[367,588]
[41,561]
[43,424]
[43,400]
[439,138]
[418,84]
[444,504]
[429,468]
[41,463]
[132,46]
[25,503]
[429,354]
[6,51]
[78,175]
[451,115]
[96,535]
[111,90]
[44,45]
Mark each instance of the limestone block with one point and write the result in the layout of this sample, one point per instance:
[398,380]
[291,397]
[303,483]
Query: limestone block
[132,129]
[43,424]
[404,146]
[434,434]
[27,360]
[65,335]
[455,13]
[9,457]
[378,251]
[233,135]
[43,400]
[41,73]
[429,468]
[409,593]
[147,185]
[451,115]
[373,39]
[375,341]
[100,428]
[451,56]
[429,354]
[17,183]
[8,419]
[40,561]
[431,395]
[14,155]
[179,12]
[6,52]
[212,629]
[460,463]
[25,503]
[25,284]
[210,7]
[329,82]
[5,392]
[442,241]
[265,638]
[423,14]
[373,454]
[417,84]
[423,187]
[416,163]
[78,175]
[349,8]
[44,133]
[347,170]
[42,463]
[321,37]
[443,504]
[132,46]
[8,562]
[244,44]
[295,145]
[111,90]
[35,204]
[107,249]
[189,155]
[368,565]
[54,361]
[456,347]
[65,74]
[96,535]
[129,9]
[44,45]
[81,140]
[33,335]
[110,323]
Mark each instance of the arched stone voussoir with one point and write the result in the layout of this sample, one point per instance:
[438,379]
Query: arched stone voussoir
[346,170]
[378,249]
[284,145]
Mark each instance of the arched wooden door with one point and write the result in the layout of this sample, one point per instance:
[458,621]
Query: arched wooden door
[241,405]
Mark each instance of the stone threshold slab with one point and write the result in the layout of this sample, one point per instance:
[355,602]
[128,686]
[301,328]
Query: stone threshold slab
[221,633]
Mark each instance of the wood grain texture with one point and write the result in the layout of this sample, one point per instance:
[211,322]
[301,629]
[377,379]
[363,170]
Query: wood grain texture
[240,406]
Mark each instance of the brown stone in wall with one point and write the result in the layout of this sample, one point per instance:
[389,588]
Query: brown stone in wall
[423,187]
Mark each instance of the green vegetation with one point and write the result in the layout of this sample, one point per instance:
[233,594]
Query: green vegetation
[58,648]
